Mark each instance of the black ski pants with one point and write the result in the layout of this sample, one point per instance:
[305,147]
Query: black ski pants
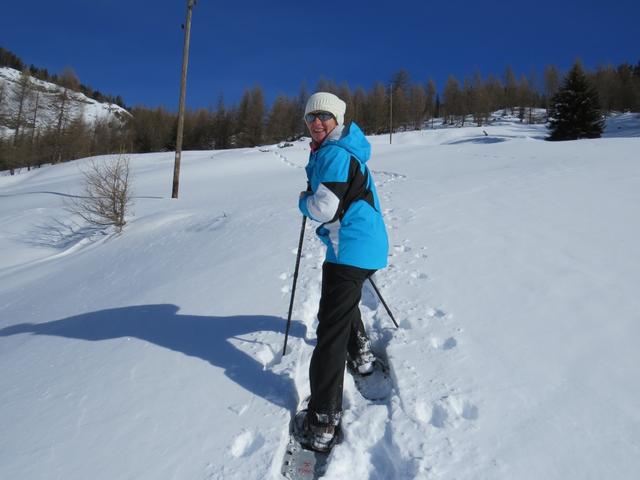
[340,330]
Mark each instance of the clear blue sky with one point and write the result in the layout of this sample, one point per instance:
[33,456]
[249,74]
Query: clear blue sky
[133,48]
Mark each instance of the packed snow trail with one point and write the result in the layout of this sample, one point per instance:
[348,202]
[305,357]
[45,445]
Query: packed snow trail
[372,446]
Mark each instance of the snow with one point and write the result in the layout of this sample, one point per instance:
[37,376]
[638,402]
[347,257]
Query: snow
[80,105]
[157,353]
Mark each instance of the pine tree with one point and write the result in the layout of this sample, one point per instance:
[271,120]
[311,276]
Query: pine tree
[575,110]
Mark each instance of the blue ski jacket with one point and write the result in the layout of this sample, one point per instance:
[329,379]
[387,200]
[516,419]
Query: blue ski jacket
[342,196]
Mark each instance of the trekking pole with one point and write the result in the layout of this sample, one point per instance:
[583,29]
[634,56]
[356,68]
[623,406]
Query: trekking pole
[383,302]
[295,279]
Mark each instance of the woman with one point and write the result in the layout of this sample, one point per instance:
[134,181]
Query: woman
[341,195]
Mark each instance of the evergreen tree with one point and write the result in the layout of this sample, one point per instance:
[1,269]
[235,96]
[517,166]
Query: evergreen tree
[626,94]
[575,110]
[11,60]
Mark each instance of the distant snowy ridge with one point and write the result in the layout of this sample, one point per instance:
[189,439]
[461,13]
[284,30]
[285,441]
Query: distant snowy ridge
[81,106]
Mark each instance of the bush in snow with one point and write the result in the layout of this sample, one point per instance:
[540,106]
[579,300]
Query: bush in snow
[107,193]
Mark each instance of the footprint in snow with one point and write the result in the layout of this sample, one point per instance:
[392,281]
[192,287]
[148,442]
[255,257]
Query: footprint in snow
[447,344]
[266,356]
[419,275]
[439,416]
[246,443]
[449,410]
[436,313]
[239,409]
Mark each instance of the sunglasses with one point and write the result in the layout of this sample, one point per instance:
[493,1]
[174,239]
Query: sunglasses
[323,116]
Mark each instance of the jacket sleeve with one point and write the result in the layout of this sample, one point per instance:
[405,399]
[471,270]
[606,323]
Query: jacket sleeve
[329,183]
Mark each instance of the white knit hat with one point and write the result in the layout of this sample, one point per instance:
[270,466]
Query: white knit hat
[326,102]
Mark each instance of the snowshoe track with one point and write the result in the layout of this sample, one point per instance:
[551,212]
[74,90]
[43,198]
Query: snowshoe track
[376,444]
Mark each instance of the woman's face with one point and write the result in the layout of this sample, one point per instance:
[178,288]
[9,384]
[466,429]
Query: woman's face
[320,129]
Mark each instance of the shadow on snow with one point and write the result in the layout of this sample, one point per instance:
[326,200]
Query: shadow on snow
[202,337]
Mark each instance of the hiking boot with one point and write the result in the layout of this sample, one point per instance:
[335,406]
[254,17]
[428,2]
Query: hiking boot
[360,358]
[320,437]
[362,363]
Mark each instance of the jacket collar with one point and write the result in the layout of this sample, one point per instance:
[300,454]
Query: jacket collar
[333,136]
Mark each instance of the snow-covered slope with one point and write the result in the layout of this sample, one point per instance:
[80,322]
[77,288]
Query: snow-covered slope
[156,354]
[81,106]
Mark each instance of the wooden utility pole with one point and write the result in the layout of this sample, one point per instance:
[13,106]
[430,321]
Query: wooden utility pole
[183,88]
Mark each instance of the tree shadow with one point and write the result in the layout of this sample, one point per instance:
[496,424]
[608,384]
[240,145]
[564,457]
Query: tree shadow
[479,140]
[206,338]
[60,235]
[68,195]
[19,194]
